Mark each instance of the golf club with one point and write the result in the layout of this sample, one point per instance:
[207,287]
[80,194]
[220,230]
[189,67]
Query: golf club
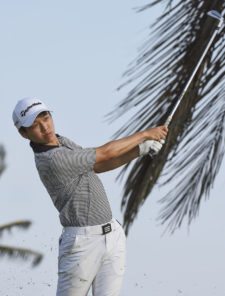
[216,15]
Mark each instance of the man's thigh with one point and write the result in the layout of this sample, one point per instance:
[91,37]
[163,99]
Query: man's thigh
[108,280]
[78,263]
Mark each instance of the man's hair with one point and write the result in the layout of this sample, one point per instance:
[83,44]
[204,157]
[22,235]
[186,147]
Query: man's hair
[23,128]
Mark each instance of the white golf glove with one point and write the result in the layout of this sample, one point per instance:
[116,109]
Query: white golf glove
[150,147]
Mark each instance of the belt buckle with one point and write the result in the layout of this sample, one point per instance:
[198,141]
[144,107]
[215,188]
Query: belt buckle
[106,228]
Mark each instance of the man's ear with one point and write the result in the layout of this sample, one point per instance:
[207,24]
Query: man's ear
[23,133]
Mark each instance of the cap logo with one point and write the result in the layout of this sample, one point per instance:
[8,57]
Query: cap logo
[23,112]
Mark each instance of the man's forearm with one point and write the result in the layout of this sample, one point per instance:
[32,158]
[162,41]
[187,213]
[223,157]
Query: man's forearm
[118,152]
[117,148]
[117,162]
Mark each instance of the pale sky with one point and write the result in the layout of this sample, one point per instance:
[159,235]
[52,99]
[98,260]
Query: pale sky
[72,55]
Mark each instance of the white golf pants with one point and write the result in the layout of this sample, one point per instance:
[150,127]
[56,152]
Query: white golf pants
[88,258]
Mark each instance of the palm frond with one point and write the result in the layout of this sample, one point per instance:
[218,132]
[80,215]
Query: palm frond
[17,224]
[15,252]
[191,158]
[25,254]
[2,159]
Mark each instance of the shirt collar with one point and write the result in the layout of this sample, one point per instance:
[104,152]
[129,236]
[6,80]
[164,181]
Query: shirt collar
[38,148]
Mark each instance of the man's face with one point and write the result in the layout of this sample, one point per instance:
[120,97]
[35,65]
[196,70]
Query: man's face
[42,130]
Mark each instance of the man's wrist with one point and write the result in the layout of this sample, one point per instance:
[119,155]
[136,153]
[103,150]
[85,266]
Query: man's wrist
[143,136]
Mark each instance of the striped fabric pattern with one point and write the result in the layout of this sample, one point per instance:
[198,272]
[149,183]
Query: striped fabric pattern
[76,191]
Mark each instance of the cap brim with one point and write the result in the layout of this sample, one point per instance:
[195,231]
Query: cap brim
[30,120]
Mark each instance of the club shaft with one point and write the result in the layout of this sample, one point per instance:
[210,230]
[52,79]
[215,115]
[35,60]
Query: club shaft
[169,118]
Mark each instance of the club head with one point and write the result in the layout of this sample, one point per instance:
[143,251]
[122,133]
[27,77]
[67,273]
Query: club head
[215,14]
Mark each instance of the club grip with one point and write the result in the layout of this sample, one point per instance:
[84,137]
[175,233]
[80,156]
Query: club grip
[152,153]
[168,120]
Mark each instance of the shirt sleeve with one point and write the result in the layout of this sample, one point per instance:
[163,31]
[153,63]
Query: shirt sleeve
[78,161]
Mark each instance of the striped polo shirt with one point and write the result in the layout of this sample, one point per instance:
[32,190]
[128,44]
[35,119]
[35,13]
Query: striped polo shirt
[76,191]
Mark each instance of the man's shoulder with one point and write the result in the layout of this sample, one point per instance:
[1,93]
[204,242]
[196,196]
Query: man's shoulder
[68,142]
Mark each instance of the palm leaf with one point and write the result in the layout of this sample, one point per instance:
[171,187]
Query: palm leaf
[25,254]
[191,158]
[17,224]
[15,252]
[2,158]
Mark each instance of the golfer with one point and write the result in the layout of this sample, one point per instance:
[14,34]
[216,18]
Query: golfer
[92,243]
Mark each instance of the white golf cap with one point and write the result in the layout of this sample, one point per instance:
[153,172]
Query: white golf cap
[26,111]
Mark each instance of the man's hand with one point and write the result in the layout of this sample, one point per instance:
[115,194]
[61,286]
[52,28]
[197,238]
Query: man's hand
[156,136]
[156,133]
[151,147]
